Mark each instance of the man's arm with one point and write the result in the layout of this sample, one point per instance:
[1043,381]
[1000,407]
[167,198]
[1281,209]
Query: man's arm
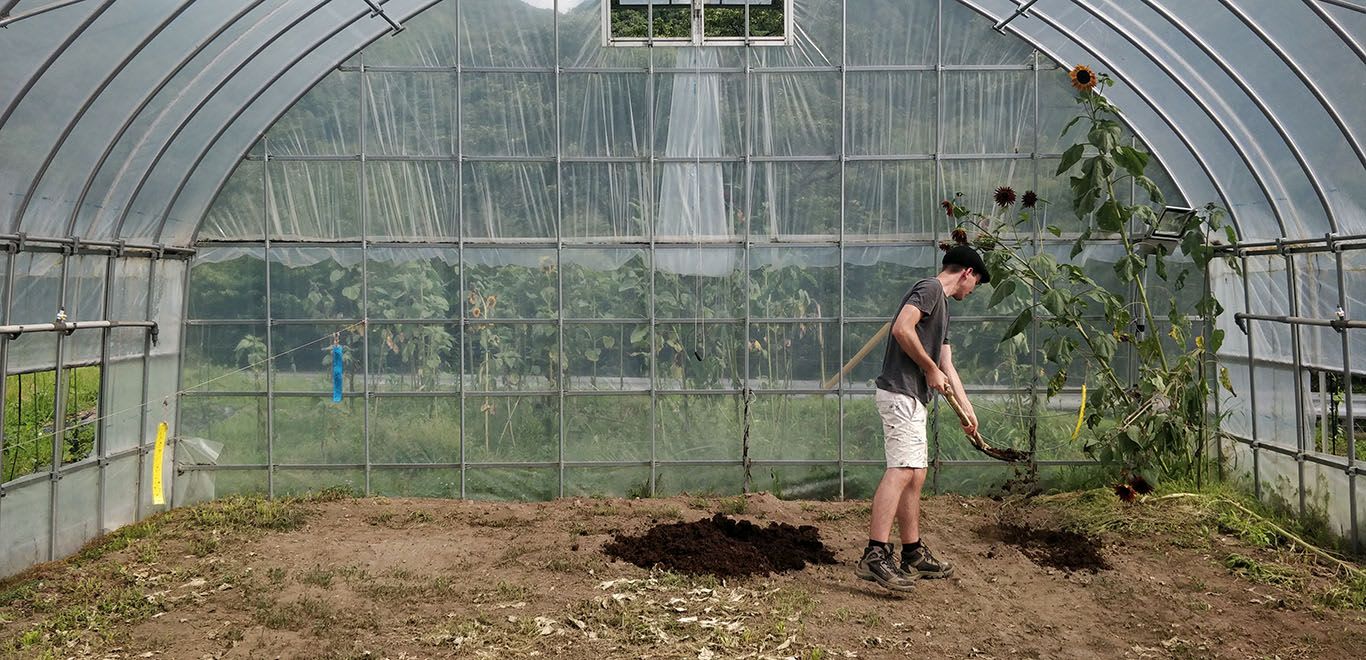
[946,364]
[903,330]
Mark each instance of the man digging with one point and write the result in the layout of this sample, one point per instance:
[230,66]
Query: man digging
[917,363]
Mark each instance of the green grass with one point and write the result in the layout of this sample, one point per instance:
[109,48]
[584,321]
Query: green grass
[1259,571]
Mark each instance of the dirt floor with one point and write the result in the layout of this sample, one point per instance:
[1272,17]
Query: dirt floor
[1069,576]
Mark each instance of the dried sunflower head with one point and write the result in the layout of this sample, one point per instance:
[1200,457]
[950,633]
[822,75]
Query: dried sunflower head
[1083,78]
[1140,485]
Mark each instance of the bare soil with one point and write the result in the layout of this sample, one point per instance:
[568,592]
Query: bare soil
[413,578]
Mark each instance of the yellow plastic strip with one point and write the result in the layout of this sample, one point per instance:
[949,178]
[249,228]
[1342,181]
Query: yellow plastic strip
[1080,413]
[158,458]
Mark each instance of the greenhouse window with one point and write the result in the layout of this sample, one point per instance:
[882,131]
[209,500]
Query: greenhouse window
[30,410]
[697,22]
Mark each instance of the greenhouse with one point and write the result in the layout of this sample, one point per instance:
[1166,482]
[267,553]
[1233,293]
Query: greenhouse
[491,256]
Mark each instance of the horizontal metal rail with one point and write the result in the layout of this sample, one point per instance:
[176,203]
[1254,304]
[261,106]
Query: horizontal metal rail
[720,462]
[1339,324]
[13,331]
[1325,243]
[1327,460]
[22,242]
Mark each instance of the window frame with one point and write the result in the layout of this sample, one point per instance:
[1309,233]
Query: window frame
[699,27]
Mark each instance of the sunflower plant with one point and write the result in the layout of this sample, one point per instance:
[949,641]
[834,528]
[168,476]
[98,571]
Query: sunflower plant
[1146,420]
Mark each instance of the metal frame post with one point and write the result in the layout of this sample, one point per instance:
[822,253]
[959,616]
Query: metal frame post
[58,415]
[10,256]
[844,166]
[266,205]
[1348,396]
[1297,357]
[362,83]
[1252,388]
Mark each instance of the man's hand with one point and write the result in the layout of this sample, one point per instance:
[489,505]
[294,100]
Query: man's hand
[937,380]
[971,427]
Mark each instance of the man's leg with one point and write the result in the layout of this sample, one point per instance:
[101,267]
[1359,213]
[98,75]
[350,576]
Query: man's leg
[890,491]
[878,562]
[908,508]
[916,559]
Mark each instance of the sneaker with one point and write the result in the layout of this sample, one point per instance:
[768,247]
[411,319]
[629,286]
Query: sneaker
[920,562]
[877,566]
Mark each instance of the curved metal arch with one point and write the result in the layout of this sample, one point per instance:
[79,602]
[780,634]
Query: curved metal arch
[56,53]
[147,100]
[166,146]
[1185,87]
[1256,100]
[1280,52]
[1175,129]
[85,107]
[1337,29]
[189,173]
[47,64]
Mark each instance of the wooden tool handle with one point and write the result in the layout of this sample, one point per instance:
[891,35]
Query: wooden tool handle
[858,357]
[952,398]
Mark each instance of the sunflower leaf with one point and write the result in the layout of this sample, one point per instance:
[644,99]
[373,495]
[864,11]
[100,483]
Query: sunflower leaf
[1110,217]
[1070,158]
[1154,193]
[1132,160]
[1004,289]
[1021,322]
[1055,302]
[1070,124]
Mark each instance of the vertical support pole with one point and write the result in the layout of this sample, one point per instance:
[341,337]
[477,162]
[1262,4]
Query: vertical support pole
[1295,349]
[561,368]
[939,179]
[174,423]
[143,444]
[1252,386]
[58,413]
[1037,232]
[102,402]
[651,90]
[746,410]
[460,235]
[10,257]
[1348,394]
[364,276]
[844,163]
[270,328]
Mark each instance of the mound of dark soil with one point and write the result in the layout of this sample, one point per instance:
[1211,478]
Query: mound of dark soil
[723,547]
[1054,548]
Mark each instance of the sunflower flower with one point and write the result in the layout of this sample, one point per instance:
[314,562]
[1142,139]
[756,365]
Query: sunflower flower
[960,236]
[1004,196]
[948,207]
[1083,78]
[1029,199]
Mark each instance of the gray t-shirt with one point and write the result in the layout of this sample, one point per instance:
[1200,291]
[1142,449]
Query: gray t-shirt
[899,372]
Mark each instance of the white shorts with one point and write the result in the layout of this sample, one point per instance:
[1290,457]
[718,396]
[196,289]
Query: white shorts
[903,429]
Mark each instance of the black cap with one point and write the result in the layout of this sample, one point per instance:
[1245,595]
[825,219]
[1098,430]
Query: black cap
[962,255]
